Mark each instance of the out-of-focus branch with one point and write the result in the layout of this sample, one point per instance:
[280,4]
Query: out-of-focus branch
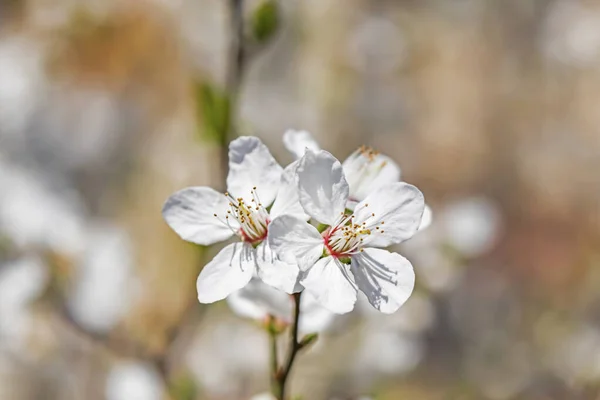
[236,64]
[223,110]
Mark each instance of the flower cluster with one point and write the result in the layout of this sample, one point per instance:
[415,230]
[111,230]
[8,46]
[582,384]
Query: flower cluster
[317,225]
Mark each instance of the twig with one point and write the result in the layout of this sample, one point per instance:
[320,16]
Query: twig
[294,348]
[236,65]
[274,363]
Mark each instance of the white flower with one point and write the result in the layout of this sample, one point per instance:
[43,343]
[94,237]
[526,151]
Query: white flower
[204,216]
[366,170]
[389,215]
[258,301]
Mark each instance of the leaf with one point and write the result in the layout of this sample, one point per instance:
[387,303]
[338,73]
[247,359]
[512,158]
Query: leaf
[213,108]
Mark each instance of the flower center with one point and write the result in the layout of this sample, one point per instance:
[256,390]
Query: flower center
[253,218]
[347,236]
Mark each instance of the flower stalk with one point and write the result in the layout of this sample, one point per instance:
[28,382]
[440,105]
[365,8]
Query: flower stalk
[281,374]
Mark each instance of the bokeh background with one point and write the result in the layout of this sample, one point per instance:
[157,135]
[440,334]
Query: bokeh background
[490,107]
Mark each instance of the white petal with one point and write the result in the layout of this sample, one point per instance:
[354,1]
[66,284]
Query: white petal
[427,218]
[295,240]
[257,300]
[287,201]
[229,271]
[387,279]
[252,165]
[277,273]
[366,173]
[322,187]
[296,142]
[398,206]
[190,213]
[314,317]
[329,281]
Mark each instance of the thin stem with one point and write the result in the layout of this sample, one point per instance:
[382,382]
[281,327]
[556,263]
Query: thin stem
[294,348]
[237,53]
[236,64]
[274,363]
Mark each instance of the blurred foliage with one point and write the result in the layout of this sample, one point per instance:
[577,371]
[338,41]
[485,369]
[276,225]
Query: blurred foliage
[213,108]
[183,387]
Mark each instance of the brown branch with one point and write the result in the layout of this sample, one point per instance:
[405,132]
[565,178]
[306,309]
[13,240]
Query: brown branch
[293,349]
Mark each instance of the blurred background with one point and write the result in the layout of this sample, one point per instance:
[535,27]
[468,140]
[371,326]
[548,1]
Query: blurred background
[490,108]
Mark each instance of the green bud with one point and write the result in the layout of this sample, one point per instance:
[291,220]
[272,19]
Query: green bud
[265,21]
[274,326]
[309,339]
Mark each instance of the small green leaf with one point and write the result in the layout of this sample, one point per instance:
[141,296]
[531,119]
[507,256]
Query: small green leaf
[213,109]
[309,339]
[265,21]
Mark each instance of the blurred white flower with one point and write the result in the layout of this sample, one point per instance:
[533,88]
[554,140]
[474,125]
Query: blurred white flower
[21,82]
[258,300]
[133,381]
[437,270]
[390,344]
[263,396]
[204,216]
[471,225]
[387,216]
[572,33]
[227,349]
[33,215]
[576,358]
[88,120]
[416,316]
[377,46]
[386,352]
[102,291]
[21,281]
